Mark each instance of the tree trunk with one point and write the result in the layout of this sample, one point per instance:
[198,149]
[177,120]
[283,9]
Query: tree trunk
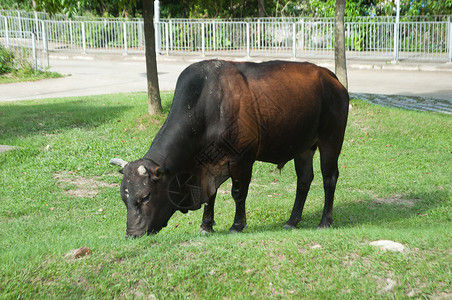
[339,43]
[261,8]
[154,102]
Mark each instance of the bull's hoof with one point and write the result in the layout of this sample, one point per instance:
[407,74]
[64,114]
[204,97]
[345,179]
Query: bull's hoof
[325,222]
[323,226]
[203,231]
[237,228]
[289,227]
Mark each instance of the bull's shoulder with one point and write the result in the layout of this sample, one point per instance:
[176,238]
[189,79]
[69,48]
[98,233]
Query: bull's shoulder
[204,68]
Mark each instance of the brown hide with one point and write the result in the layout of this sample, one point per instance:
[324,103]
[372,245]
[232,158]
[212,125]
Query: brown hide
[275,114]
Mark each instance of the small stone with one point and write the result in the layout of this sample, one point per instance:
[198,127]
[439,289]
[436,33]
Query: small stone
[316,247]
[390,284]
[386,245]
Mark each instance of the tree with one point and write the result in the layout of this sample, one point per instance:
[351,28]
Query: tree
[154,101]
[339,43]
[72,6]
[261,8]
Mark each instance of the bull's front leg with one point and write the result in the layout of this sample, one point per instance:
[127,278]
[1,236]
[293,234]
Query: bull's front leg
[241,177]
[208,220]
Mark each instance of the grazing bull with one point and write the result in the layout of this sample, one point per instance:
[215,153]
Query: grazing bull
[225,116]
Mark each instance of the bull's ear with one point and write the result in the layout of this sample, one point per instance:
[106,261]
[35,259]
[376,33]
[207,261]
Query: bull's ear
[158,173]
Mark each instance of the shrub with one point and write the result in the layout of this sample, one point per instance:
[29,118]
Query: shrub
[6,60]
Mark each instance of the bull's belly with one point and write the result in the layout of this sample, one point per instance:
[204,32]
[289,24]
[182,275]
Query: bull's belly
[280,154]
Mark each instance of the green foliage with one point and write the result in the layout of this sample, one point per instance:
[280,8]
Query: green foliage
[441,7]
[394,184]
[236,8]
[412,7]
[16,4]
[124,8]
[6,60]
[14,67]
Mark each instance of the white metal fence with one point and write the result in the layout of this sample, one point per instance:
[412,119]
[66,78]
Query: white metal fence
[417,39]
[27,49]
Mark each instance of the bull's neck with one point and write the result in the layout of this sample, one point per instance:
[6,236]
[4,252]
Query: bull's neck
[175,145]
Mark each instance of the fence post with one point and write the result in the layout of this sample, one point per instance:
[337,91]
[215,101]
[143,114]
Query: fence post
[70,32]
[20,25]
[45,43]
[125,37]
[247,39]
[83,37]
[140,26]
[396,33]
[157,26]
[203,39]
[36,22]
[294,39]
[302,35]
[44,37]
[166,39]
[6,32]
[214,35]
[33,46]
[258,34]
[171,34]
[450,41]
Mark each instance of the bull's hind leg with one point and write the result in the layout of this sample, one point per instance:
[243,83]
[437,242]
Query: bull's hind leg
[305,175]
[241,177]
[208,220]
[329,155]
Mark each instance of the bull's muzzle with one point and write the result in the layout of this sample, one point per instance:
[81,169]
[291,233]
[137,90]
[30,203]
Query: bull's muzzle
[134,234]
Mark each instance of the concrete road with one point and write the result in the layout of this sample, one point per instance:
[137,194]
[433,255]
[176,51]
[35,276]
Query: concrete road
[434,84]
[93,76]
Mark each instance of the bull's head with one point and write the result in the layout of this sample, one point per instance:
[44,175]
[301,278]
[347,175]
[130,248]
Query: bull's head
[144,192]
[152,195]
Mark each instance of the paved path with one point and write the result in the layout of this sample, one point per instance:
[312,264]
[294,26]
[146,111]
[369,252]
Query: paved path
[91,75]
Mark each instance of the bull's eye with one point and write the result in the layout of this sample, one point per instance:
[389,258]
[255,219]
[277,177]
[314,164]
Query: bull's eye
[145,199]
[126,192]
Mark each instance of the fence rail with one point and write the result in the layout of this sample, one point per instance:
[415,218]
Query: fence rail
[27,49]
[297,37]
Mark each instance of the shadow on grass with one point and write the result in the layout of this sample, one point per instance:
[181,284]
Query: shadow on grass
[391,212]
[28,119]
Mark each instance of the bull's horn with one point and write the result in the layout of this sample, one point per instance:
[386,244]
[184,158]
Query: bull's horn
[118,162]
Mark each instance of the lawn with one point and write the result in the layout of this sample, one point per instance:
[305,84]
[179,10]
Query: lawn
[58,193]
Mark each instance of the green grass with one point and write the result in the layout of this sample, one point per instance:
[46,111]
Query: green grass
[57,195]
[27,75]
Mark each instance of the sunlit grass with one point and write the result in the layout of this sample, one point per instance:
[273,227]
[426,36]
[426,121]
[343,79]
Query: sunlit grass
[394,184]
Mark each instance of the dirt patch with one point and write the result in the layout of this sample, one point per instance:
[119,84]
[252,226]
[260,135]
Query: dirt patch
[79,186]
[4,148]
[396,200]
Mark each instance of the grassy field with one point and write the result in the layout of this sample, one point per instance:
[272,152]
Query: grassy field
[59,193]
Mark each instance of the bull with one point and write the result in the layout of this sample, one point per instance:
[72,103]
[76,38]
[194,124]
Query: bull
[224,117]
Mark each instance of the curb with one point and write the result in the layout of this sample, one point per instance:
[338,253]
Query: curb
[356,64]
